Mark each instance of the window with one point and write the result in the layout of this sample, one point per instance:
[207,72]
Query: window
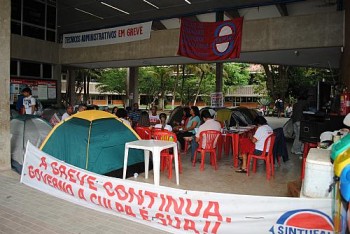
[16,9]
[47,70]
[50,35]
[51,17]
[30,69]
[35,32]
[16,27]
[34,18]
[13,68]
[34,12]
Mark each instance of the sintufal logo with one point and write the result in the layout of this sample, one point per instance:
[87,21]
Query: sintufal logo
[224,39]
[303,222]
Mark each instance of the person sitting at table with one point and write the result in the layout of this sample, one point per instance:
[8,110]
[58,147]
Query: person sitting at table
[185,117]
[144,120]
[153,117]
[188,130]
[209,124]
[254,144]
[162,125]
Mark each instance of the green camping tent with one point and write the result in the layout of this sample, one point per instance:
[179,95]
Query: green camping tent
[92,140]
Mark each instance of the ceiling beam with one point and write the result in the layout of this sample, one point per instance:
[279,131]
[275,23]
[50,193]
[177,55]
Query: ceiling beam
[232,14]
[282,9]
[157,25]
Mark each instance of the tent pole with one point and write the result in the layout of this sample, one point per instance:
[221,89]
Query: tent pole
[88,147]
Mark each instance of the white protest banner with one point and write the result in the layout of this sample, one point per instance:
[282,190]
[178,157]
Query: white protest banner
[107,36]
[175,210]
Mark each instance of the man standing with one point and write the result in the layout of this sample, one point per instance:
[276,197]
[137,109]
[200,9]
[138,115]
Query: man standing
[209,124]
[69,112]
[297,116]
[279,106]
[28,101]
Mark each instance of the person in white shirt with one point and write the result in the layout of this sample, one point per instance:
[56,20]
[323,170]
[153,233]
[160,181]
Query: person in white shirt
[153,117]
[258,139]
[288,111]
[28,101]
[69,112]
[209,124]
[163,125]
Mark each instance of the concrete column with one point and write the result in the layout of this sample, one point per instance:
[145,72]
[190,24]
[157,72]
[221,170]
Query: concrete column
[56,72]
[345,60]
[219,66]
[5,33]
[71,87]
[219,73]
[132,86]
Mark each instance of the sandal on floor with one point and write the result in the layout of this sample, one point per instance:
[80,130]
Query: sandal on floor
[241,170]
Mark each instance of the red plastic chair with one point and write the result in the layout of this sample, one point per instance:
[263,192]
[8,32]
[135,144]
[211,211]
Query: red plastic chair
[165,156]
[267,156]
[211,138]
[187,144]
[144,132]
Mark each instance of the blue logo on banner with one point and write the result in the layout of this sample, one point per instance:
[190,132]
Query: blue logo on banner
[224,39]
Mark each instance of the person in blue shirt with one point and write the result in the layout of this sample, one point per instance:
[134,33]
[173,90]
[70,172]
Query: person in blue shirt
[189,129]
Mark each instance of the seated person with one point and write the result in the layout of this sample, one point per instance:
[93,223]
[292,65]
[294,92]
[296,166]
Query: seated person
[69,112]
[153,117]
[162,125]
[257,142]
[144,120]
[209,124]
[188,130]
[185,117]
[123,115]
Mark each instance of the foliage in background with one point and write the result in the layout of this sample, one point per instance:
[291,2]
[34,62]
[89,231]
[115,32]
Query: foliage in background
[82,82]
[199,81]
[112,80]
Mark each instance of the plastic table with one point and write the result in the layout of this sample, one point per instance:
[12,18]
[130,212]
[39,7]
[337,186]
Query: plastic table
[235,134]
[154,146]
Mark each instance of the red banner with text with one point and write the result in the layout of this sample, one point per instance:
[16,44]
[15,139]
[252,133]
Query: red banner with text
[210,41]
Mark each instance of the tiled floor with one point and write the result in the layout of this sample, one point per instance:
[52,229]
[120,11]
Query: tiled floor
[25,210]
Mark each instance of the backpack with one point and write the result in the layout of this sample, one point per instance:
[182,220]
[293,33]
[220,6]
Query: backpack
[38,108]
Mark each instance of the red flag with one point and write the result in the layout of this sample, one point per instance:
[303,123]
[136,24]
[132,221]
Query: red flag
[210,41]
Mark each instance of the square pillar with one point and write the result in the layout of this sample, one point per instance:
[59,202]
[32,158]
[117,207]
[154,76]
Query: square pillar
[5,33]
[132,86]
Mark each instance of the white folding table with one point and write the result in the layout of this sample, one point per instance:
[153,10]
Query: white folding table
[154,146]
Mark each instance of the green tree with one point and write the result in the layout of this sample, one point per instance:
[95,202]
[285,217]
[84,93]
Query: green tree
[83,78]
[148,83]
[156,81]
[112,80]
[200,71]
[237,74]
